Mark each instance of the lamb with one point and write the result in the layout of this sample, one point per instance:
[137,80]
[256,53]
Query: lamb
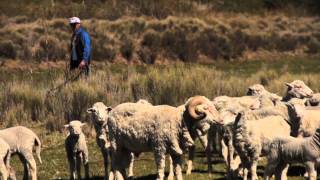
[23,141]
[136,127]
[284,150]
[77,150]
[252,135]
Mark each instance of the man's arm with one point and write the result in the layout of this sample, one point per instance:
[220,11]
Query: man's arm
[86,46]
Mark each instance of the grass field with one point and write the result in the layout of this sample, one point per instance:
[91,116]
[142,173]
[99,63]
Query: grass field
[23,101]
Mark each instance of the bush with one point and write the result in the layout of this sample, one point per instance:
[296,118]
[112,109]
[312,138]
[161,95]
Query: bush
[8,49]
[50,48]
[126,48]
[313,46]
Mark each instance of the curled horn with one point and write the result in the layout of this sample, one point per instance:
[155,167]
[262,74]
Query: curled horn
[191,107]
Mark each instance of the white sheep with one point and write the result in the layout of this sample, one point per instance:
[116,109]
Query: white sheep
[297,89]
[99,112]
[136,127]
[307,120]
[77,150]
[251,136]
[23,141]
[285,150]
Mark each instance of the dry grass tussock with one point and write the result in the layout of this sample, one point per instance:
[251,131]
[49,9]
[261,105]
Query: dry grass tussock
[148,40]
[24,101]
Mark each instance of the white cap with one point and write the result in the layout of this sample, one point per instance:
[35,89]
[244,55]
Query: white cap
[74,20]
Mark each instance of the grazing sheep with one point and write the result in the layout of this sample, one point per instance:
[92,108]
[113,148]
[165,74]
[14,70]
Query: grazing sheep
[252,134]
[77,150]
[297,89]
[284,150]
[23,141]
[136,127]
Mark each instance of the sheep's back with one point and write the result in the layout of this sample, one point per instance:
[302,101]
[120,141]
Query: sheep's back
[139,126]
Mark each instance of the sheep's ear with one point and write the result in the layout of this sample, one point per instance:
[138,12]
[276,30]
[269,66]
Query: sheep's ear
[91,110]
[83,124]
[289,85]
[66,126]
[108,109]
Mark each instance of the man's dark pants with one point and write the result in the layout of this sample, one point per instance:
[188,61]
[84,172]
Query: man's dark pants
[75,65]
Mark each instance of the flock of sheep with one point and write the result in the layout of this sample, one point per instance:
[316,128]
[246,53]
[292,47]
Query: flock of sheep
[283,130]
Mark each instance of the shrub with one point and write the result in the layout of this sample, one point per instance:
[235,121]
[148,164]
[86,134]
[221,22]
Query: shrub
[127,47]
[313,46]
[49,48]
[8,49]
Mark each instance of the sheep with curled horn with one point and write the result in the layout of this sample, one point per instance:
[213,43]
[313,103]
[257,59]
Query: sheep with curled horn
[162,129]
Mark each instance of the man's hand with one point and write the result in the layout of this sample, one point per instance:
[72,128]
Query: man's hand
[82,64]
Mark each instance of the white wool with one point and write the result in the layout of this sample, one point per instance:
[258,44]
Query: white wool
[140,127]
[285,150]
[252,137]
[22,140]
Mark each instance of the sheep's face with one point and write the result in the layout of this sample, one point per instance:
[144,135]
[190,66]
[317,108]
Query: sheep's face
[74,127]
[228,116]
[99,113]
[256,89]
[298,89]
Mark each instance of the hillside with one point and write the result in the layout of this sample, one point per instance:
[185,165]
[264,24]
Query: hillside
[149,40]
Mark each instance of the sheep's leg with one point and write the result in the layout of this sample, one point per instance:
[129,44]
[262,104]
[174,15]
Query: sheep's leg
[224,151]
[281,171]
[171,171]
[245,173]
[208,149]
[160,162]
[25,166]
[253,170]
[190,159]
[33,167]
[86,165]
[310,167]
[105,154]
[78,165]
[72,167]
[269,170]
[130,169]
[177,163]
[4,171]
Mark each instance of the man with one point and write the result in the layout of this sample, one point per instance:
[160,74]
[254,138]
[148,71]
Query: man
[80,46]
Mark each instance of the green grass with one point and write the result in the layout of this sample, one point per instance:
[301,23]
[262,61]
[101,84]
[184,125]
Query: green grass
[55,165]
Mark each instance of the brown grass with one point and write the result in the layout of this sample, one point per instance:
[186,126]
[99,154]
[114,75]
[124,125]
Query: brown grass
[146,40]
